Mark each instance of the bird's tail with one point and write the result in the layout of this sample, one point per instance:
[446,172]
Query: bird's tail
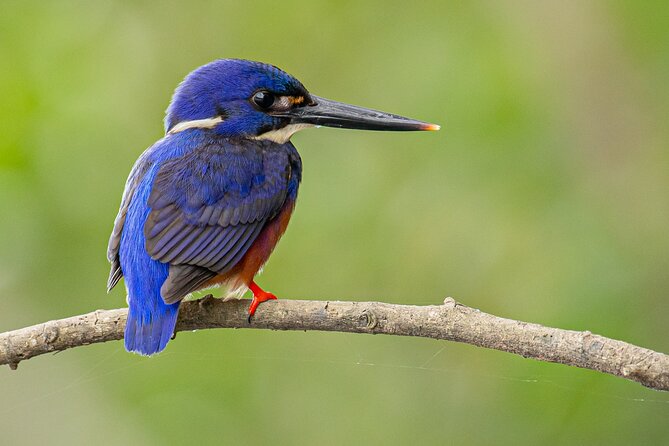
[150,324]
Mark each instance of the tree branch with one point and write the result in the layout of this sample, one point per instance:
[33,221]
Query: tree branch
[450,321]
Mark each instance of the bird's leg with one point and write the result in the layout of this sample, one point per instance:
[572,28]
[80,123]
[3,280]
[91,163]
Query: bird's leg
[259,295]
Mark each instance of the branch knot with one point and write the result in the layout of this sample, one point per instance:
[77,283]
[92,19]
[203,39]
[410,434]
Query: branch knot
[369,319]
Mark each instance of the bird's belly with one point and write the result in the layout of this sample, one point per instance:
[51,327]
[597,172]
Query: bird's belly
[241,275]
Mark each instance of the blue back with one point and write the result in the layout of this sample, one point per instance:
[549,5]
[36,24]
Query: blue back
[196,201]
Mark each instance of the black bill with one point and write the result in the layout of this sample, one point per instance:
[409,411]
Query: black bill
[336,114]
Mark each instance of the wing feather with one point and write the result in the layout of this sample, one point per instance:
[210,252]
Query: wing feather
[208,207]
[136,174]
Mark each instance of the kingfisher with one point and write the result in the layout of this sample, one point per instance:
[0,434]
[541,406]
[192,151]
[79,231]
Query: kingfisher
[206,205]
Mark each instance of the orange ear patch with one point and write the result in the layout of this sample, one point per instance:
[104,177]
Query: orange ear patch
[296,100]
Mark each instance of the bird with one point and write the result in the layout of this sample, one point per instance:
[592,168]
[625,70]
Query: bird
[206,204]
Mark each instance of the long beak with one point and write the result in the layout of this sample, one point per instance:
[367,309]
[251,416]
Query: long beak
[336,114]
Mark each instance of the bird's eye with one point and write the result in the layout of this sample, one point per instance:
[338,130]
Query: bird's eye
[264,99]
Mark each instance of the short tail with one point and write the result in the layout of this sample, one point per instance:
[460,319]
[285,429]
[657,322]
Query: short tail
[150,325]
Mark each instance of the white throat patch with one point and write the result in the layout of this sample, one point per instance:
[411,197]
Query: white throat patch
[196,124]
[282,135]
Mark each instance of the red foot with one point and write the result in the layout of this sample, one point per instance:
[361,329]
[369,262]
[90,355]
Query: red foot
[259,295]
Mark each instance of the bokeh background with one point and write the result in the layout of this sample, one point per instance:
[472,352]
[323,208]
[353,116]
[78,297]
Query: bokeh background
[544,198]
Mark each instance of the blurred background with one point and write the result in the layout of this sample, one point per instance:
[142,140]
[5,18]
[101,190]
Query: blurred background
[543,198]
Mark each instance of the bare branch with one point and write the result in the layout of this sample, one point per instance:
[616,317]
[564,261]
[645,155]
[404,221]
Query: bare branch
[451,321]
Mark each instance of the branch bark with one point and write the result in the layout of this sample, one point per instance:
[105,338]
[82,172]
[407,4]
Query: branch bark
[451,321]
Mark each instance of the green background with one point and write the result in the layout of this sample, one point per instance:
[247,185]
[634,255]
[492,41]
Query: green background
[545,197]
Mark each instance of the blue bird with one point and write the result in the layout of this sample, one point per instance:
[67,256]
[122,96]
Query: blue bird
[207,203]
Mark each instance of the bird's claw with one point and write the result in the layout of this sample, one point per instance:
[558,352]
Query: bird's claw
[259,296]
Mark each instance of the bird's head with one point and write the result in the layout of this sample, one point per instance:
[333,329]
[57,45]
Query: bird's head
[241,98]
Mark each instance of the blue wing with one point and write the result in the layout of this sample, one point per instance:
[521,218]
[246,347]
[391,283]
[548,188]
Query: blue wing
[209,205]
[208,202]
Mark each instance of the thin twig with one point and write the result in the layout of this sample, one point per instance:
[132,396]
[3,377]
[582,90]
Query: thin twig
[450,321]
